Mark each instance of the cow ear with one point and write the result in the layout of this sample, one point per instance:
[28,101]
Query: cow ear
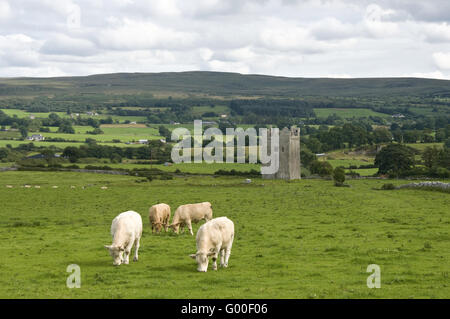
[211,253]
[121,248]
[193,256]
[107,246]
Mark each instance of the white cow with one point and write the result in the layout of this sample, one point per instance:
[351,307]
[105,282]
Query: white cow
[213,237]
[191,213]
[126,230]
[159,216]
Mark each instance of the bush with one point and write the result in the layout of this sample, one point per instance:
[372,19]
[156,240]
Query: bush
[321,168]
[339,176]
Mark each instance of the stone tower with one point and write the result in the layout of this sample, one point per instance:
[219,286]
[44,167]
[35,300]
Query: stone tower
[289,155]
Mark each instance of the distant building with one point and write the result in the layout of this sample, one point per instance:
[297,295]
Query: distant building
[224,116]
[92,113]
[289,155]
[209,123]
[143,142]
[133,123]
[398,115]
[320,154]
[174,123]
[162,140]
[36,137]
[32,117]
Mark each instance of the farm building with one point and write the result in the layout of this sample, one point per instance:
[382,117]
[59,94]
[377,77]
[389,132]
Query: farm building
[36,137]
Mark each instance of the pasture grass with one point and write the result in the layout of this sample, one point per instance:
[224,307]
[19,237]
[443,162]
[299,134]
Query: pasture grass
[299,239]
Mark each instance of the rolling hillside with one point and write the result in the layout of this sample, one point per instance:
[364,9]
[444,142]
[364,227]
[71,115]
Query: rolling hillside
[223,84]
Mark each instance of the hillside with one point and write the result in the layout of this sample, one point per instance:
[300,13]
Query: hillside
[224,85]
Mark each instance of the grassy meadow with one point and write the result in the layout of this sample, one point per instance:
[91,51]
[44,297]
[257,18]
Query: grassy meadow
[302,239]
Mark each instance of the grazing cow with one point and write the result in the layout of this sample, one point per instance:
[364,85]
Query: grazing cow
[27,186]
[104,187]
[214,237]
[54,186]
[126,230]
[159,216]
[37,186]
[9,186]
[191,213]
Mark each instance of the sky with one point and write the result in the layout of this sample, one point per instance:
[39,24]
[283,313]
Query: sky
[309,38]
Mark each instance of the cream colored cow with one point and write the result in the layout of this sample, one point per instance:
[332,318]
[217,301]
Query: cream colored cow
[159,216]
[187,214]
[214,237]
[126,230]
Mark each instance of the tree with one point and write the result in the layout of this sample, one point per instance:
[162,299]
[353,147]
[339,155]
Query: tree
[430,156]
[72,153]
[66,128]
[447,143]
[3,153]
[48,154]
[306,157]
[339,176]
[394,158]
[322,168]
[382,135]
[164,131]
[23,131]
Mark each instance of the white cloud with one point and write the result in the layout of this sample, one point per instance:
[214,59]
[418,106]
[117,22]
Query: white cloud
[5,11]
[129,34]
[376,20]
[318,38]
[437,32]
[62,44]
[429,75]
[442,60]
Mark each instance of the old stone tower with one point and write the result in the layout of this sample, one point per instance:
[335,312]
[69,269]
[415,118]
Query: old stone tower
[289,155]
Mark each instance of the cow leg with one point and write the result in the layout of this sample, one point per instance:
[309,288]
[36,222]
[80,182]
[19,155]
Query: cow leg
[136,249]
[189,225]
[222,257]
[227,253]
[166,224]
[126,257]
[127,253]
[214,259]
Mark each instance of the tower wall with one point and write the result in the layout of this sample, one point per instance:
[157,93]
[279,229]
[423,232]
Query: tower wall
[289,155]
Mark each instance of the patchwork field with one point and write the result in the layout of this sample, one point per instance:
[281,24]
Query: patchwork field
[302,239]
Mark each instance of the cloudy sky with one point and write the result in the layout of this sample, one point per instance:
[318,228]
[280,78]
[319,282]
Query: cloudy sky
[309,38]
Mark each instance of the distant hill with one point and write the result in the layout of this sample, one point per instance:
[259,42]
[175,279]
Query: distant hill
[225,85]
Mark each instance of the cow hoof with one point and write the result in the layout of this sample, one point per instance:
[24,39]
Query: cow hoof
[135,259]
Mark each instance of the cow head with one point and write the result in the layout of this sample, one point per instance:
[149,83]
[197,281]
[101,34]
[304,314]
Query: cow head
[202,259]
[157,226]
[116,253]
[175,227]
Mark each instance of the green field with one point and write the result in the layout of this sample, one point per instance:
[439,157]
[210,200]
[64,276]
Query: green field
[347,113]
[302,239]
